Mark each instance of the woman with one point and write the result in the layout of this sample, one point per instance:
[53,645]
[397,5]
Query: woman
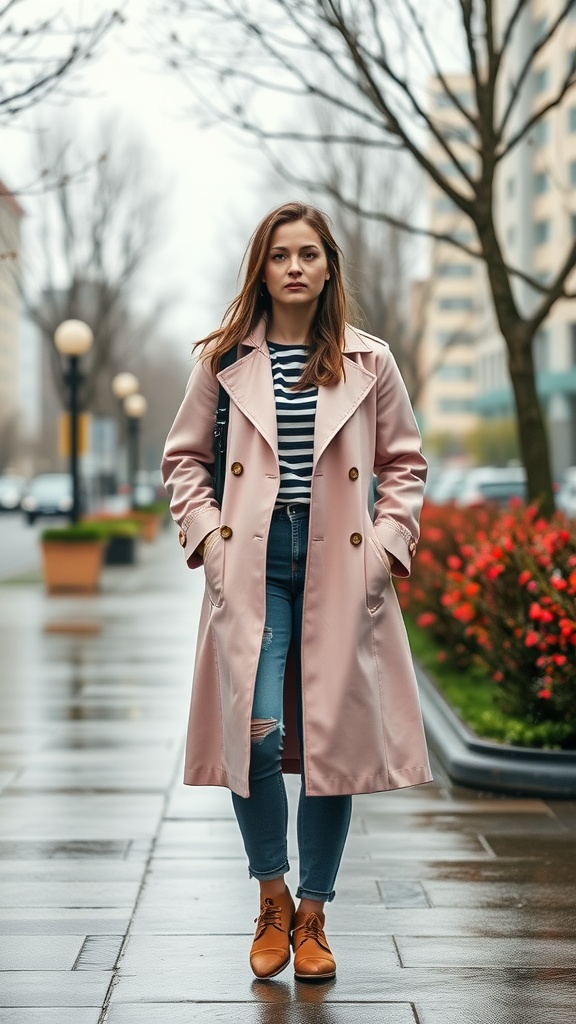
[302,662]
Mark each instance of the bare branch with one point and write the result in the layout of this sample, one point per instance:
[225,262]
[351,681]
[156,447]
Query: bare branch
[568,83]
[555,291]
[528,65]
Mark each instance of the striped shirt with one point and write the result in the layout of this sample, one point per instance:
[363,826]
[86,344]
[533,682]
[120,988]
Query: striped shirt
[295,415]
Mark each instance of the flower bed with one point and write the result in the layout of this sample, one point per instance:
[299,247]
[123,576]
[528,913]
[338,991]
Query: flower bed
[497,591]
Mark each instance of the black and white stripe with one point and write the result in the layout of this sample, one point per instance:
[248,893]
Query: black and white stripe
[295,415]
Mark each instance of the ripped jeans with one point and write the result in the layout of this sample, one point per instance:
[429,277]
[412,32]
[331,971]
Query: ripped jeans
[323,821]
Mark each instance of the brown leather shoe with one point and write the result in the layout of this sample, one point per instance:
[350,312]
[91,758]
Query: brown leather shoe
[313,960]
[270,951]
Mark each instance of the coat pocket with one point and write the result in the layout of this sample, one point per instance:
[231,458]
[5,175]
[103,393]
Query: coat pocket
[214,569]
[377,571]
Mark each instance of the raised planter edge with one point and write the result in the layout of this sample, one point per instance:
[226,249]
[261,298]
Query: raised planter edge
[482,764]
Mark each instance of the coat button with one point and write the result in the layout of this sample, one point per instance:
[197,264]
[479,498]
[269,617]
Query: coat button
[353,473]
[356,539]
[237,468]
[225,532]
[182,539]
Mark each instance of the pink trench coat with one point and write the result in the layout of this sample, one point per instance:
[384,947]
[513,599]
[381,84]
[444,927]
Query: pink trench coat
[361,715]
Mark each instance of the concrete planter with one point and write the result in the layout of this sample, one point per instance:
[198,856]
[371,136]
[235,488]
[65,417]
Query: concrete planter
[483,764]
[150,523]
[72,568]
[121,550]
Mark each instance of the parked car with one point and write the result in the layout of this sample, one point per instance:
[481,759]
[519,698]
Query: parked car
[11,491]
[49,494]
[445,485]
[492,485]
[566,496]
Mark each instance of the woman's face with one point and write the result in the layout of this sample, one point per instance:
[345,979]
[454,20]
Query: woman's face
[296,267]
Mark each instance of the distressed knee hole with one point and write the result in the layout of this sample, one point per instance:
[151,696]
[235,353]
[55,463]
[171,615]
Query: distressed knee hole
[261,728]
[266,638]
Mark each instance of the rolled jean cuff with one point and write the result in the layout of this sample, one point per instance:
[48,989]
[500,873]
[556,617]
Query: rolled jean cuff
[264,876]
[310,894]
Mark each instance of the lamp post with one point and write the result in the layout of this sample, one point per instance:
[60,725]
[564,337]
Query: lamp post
[124,384]
[73,338]
[135,407]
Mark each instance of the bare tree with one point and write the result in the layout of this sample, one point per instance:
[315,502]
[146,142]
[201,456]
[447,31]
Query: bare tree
[95,237]
[373,61]
[38,52]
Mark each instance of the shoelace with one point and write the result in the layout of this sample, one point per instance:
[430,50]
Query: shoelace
[314,930]
[271,915]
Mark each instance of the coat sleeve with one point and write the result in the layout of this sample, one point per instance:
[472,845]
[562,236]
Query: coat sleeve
[188,454]
[399,466]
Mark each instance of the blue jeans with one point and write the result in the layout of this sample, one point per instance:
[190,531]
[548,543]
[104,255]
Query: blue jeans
[323,821]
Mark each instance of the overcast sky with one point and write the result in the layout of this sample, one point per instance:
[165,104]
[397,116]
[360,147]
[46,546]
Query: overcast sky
[214,184]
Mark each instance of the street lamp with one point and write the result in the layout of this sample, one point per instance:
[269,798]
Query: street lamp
[73,338]
[135,407]
[124,384]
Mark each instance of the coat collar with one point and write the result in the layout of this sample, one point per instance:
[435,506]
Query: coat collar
[353,340]
[248,381]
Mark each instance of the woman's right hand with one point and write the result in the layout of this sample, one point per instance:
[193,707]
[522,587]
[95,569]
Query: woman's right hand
[205,545]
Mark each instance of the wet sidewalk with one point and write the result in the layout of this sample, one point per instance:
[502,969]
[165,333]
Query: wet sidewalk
[123,894]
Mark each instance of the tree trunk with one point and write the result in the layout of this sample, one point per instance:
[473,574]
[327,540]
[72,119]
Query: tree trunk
[531,427]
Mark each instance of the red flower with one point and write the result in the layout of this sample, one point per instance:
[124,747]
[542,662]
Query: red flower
[495,570]
[425,619]
[558,583]
[464,612]
[559,659]
[544,694]
[524,577]
[497,676]
[531,638]
[453,562]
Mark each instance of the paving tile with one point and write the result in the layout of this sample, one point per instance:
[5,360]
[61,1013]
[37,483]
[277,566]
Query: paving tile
[65,921]
[35,953]
[69,894]
[289,1011]
[71,869]
[489,952]
[174,968]
[32,849]
[500,894]
[54,988]
[50,1015]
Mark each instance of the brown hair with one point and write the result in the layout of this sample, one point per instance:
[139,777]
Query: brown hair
[324,364]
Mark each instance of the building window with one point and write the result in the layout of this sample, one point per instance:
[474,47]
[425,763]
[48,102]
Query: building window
[456,405]
[541,133]
[572,119]
[454,270]
[541,79]
[540,27]
[511,235]
[444,204]
[572,59]
[444,338]
[455,371]
[460,302]
[541,182]
[511,187]
[572,174]
[573,224]
[541,231]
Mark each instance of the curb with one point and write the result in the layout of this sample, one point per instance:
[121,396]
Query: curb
[481,764]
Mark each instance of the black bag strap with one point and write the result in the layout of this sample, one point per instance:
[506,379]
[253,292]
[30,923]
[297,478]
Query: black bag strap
[221,428]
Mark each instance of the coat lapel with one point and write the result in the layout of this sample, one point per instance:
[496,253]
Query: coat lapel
[249,383]
[337,402]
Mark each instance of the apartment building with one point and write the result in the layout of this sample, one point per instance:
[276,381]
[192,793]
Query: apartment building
[536,209]
[536,213]
[456,304]
[10,219]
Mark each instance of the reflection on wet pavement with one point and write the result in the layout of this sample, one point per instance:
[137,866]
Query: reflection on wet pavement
[124,895]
